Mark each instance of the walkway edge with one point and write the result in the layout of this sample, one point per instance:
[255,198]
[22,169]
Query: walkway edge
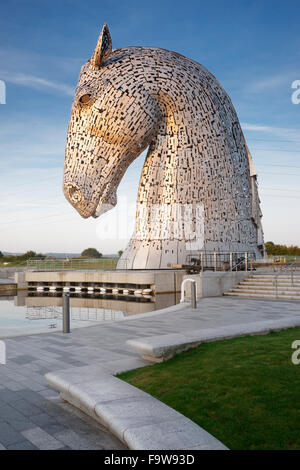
[162,347]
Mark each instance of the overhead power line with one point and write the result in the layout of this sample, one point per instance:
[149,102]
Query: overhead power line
[274,195]
[279,174]
[277,150]
[279,189]
[274,140]
[275,164]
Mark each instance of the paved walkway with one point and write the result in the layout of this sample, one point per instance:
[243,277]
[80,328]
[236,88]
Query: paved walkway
[31,413]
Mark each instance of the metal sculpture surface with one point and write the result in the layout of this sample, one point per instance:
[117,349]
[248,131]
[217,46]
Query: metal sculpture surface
[198,187]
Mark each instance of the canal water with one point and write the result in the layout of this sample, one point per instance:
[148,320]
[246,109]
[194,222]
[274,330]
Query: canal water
[27,313]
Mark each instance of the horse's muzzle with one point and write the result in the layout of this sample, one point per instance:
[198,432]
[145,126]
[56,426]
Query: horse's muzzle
[75,196]
[96,206]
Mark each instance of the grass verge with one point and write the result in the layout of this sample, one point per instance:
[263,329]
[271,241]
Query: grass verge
[244,391]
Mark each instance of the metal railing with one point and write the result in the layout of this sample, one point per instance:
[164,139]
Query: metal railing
[70,264]
[282,259]
[286,268]
[226,261]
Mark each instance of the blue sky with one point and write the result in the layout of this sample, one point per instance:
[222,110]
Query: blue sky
[252,47]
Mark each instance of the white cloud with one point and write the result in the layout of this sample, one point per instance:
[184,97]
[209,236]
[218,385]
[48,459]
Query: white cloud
[26,68]
[39,83]
[288,133]
[32,63]
[271,83]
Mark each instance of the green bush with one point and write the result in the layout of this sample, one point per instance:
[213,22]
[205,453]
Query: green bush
[91,253]
[277,250]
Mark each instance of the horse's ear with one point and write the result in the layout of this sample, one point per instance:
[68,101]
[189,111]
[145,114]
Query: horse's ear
[103,47]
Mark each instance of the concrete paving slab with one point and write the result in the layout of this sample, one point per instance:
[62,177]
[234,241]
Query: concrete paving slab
[41,439]
[76,442]
[8,435]
[23,445]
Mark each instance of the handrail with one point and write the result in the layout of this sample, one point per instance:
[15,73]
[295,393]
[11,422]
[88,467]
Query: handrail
[236,265]
[193,291]
[280,272]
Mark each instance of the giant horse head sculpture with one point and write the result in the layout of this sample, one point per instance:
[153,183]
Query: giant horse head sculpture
[198,184]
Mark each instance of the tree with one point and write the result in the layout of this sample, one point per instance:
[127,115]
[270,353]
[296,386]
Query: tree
[120,252]
[29,254]
[1,254]
[91,253]
[277,250]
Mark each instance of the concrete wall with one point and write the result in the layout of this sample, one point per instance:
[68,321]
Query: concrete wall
[209,284]
[7,289]
[8,273]
[214,284]
[161,281]
[20,280]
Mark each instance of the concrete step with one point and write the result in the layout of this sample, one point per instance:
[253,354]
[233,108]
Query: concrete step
[270,283]
[268,286]
[264,292]
[262,296]
[273,278]
[275,274]
[267,289]
[267,278]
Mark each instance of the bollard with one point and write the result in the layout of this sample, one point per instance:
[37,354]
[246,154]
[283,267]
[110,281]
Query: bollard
[246,261]
[66,313]
[193,294]
[215,261]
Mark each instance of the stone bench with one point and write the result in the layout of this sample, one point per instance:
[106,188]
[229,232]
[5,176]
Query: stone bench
[163,347]
[136,418]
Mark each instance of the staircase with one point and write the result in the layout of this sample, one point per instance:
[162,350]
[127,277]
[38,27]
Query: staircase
[283,286]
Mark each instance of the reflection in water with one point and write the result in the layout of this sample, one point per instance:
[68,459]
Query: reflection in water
[96,307]
[19,313]
[42,313]
[77,313]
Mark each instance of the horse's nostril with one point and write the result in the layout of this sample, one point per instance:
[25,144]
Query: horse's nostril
[73,193]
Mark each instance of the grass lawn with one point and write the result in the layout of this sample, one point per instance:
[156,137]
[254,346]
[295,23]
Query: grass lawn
[10,264]
[244,391]
[75,263]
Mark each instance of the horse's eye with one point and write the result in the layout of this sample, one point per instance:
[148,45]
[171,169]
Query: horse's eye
[85,99]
